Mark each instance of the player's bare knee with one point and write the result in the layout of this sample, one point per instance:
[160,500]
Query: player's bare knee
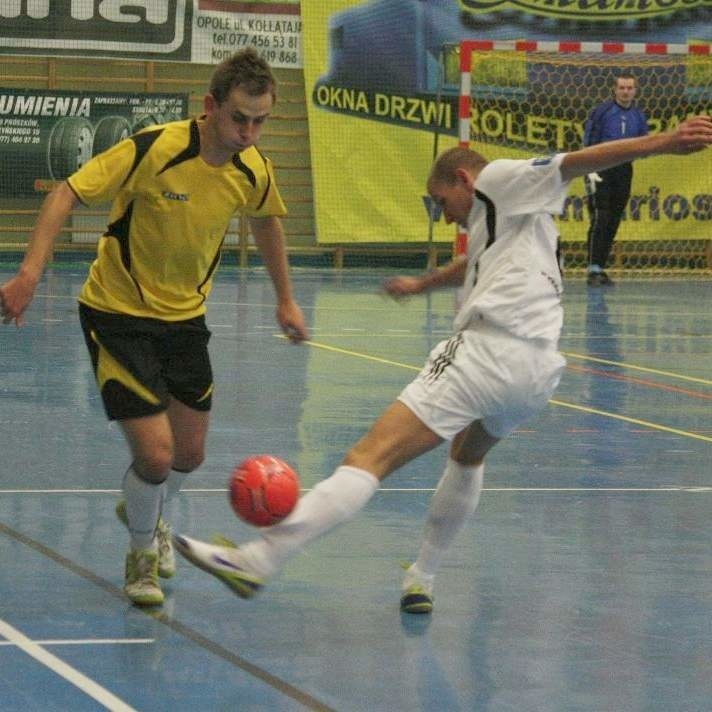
[467,456]
[470,447]
[187,462]
[154,466]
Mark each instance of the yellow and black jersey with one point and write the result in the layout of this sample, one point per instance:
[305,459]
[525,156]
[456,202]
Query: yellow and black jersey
[168,220]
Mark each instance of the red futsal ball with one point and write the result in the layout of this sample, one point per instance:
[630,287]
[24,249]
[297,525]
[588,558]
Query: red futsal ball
[263,490]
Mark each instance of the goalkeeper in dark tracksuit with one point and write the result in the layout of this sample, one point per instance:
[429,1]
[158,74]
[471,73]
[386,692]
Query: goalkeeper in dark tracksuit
[608,191]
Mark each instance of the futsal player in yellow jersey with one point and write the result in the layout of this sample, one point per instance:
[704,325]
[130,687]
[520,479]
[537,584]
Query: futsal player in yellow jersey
[174,189]
[169,216]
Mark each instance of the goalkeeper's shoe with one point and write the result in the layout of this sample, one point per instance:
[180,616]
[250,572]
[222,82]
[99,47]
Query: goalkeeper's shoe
[417,592]
[166,555]
[141,581]
[223,560]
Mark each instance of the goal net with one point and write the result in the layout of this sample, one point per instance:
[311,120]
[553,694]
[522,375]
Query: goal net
[524,98]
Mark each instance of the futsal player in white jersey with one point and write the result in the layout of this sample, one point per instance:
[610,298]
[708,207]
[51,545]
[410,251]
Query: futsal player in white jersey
[499,368]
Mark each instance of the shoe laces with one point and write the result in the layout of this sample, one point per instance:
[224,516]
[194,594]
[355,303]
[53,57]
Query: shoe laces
[415,581]
[163,537]
[143,567]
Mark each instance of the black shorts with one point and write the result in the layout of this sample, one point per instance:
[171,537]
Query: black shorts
[140,363]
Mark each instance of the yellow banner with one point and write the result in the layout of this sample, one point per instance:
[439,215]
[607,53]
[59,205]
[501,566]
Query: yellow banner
[381,105]
[586,10]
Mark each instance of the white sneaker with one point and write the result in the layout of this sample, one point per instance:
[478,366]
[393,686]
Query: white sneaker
[166,555]
[141,578]
[417,590]
[224,562]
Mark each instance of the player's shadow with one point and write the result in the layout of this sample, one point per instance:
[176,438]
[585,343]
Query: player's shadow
[603,342]
[608,382]
[415,625]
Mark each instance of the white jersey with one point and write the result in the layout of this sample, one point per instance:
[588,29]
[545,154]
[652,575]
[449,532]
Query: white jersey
[513,279]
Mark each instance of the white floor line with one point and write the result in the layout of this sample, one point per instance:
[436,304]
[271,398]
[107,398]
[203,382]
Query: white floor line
[223,490]
[61,491]
[694,489]
[76,678]
[87,641]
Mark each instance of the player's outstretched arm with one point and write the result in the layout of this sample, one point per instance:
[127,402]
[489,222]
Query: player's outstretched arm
[690,136]
[269,238]
[450,275]
[16,294]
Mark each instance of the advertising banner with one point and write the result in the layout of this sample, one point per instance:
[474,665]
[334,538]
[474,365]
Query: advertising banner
[200,31]
[274,29]
[147,29]
[46,135]
[382,85]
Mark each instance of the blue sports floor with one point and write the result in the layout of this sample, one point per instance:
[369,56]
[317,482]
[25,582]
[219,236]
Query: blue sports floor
[584,581]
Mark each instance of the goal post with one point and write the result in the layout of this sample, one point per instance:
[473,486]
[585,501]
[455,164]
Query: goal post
[522,98]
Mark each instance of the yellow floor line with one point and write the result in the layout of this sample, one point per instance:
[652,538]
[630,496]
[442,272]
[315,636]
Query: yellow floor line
[633,367]
[563,404]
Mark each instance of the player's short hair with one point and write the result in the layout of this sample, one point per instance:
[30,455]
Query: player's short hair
[245,69]
[445,166]
[625,75]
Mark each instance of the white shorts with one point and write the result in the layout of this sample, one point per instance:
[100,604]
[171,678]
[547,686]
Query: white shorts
[484,374]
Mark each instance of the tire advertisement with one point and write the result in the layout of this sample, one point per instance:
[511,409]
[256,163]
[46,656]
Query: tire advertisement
[47,135]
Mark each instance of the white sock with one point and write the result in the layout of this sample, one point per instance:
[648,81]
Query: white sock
[454,501]
[144,501]
[333,501]
[175,482]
